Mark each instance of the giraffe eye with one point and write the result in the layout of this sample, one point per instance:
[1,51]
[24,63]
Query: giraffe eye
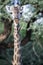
[11,13]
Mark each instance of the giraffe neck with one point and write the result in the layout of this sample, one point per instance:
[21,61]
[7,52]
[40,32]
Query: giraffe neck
[17,48]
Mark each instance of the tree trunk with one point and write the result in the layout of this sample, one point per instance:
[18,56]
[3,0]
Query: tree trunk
[7,29]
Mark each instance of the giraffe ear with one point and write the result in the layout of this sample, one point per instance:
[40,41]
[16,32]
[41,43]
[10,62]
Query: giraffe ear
[7,8]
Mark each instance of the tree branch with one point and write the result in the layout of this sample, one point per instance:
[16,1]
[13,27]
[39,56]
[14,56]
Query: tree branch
[7,29]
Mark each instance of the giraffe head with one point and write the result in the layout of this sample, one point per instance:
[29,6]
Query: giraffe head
[12,11]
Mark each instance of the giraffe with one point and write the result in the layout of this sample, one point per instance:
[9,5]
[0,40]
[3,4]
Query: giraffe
[17,48]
